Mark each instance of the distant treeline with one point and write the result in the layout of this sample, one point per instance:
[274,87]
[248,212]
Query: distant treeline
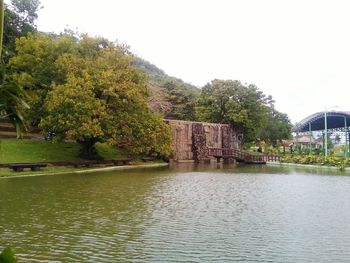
[221,101]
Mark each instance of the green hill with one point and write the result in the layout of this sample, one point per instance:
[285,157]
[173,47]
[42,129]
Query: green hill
[172,97]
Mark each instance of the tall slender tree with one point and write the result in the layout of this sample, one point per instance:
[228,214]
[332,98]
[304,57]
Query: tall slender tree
[1,23]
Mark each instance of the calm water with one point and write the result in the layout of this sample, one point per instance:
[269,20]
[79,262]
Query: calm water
[183,214]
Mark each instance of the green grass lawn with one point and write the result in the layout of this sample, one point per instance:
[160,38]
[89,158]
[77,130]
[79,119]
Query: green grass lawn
[20,151]
[27,151]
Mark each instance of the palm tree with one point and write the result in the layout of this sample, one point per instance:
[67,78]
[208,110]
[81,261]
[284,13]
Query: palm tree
[11,95]
[12,103]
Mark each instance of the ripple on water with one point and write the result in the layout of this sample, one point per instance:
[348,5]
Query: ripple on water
[157,216]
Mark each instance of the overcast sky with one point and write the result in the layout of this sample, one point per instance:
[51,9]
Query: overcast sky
[298,51]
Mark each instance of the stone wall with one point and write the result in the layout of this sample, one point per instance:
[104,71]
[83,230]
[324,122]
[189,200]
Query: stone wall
[191,140]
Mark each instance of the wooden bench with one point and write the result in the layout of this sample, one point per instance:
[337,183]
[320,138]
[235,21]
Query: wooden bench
[88,163]
[120,161]
[84,163]
[18,167]
[148,159]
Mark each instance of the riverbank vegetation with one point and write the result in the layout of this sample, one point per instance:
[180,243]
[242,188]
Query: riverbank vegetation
[91,90]
[317,160]
[8,256]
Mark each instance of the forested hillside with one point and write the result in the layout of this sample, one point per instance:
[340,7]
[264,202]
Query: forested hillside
[172,97]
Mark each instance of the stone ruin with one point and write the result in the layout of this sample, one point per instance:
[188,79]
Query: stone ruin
[191,140]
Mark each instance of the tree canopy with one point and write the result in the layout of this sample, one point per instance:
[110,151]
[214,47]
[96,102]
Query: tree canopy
[19,20]
[86,89]
[245,107]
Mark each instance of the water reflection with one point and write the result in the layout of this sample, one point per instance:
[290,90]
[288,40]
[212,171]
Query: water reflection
[73,217]
[185,213]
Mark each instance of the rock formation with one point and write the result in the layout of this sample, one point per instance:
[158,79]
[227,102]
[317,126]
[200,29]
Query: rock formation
[191,140]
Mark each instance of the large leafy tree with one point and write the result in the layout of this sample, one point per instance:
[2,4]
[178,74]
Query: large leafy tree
[86,89]
[243,106]
[34,68]
[219,102]
[278,127]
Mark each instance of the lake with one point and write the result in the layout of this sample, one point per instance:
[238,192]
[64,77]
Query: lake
[180,214]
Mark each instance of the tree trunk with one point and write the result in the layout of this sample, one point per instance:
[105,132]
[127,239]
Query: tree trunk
[88,150]
[1,23]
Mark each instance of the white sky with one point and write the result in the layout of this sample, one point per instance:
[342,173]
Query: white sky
[297,50]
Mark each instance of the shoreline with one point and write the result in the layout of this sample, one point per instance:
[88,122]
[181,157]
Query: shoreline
[155,165]
[307,165]
[92,170]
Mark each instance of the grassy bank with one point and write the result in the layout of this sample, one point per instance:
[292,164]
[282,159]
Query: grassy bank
[70,170]
[18,151]
[317,160]
[22,151]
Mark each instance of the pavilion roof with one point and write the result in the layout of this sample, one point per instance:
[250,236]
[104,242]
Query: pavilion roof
[335,120]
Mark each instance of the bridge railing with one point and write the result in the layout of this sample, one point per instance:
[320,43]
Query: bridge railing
[272,158]
[242,155]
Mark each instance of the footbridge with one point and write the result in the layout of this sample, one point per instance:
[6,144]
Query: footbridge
[242,156]
[201,142]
